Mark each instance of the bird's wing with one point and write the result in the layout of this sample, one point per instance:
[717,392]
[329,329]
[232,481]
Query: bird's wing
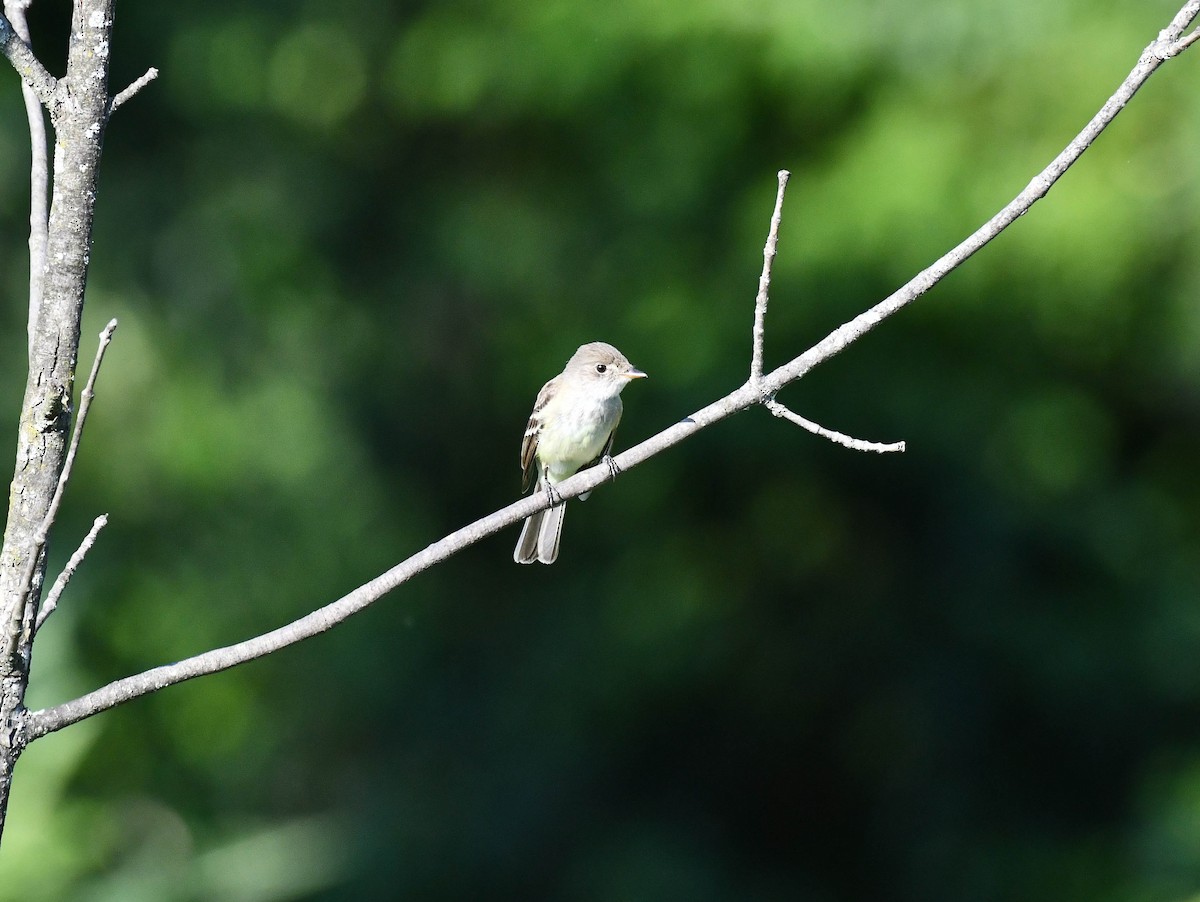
[530,442]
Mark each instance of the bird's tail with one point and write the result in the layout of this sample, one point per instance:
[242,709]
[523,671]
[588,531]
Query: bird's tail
[539,536]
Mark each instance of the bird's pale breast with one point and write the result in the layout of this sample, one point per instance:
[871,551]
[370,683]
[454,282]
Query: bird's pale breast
[576,434]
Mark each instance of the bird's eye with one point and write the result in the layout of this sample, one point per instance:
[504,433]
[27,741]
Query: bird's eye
[601,368]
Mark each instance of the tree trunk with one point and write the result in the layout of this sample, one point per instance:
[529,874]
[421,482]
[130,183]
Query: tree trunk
[79,122]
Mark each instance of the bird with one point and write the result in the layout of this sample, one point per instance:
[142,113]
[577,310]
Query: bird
[571,428]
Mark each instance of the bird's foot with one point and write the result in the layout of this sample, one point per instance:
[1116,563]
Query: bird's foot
[613,469]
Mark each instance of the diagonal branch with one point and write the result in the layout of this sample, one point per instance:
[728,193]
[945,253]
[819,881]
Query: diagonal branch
[133,88]
[1167,46]
[1184,43]
[846,441]
[38,723]
[60,584]
[28,66]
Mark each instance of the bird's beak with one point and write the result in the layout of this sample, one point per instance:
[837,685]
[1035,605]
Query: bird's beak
[635,374]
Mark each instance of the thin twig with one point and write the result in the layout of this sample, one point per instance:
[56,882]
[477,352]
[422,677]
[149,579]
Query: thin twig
[60,584]
[39,176]
[764,281]
[47,720]
[1183,44]
[85,402]
[854,444]
[133,88]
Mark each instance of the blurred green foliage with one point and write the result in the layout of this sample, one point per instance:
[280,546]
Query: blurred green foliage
[347,243]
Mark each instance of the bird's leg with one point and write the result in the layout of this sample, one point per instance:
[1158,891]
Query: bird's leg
[613,469]
[552,496]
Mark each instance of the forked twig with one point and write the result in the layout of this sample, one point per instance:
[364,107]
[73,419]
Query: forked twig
[43,533]
[756,361]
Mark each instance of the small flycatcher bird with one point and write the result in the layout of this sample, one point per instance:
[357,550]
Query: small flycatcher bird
[571,428]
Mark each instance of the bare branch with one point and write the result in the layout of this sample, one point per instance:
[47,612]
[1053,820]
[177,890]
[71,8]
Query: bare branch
[39,723]
[85,403]
[136,86]
[854,444]
[1149,61]
[64,578]
[1170,36]
[39,176]
[28,66]
[1184,43]
[78,106]
[764,281]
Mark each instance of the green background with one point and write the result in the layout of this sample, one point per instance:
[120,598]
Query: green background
[348,242]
